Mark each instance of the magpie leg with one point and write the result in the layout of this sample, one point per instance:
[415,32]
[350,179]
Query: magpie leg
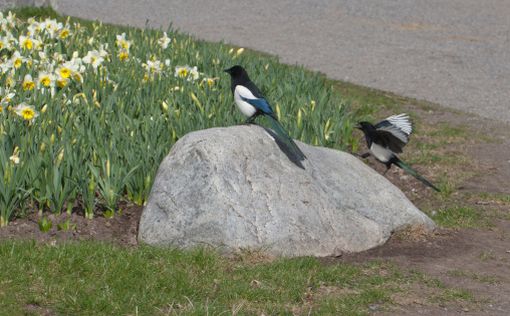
[387,168]
[250,119]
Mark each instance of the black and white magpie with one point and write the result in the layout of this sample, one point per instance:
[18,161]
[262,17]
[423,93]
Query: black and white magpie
[252,103]
[387,138]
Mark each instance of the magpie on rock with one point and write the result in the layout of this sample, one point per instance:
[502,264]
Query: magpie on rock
[252,103]
[387,138]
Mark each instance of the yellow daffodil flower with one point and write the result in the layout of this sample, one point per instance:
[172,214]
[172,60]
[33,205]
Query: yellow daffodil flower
[28,83]
[27,112]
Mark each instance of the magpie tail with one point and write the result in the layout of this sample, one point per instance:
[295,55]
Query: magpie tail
[415,174]
[285,138]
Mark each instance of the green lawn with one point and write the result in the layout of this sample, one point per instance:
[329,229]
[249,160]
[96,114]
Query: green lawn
[94,278]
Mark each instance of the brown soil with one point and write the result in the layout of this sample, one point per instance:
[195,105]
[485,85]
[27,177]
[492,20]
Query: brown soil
[476,260]
[121,229]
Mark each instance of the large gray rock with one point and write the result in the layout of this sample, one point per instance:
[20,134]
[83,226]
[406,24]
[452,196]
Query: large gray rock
[234,188]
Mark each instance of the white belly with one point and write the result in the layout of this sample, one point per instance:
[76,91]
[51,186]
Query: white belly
[380,153]
[245,108]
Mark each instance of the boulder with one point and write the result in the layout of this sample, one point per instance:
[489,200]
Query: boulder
[236,188]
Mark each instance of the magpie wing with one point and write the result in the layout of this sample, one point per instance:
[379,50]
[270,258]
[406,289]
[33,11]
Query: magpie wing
[398,125]
[388,140]
[248,96]
[254,89]
[260,104]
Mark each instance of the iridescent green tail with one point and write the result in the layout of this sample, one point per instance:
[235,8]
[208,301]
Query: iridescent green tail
[415,174]
[285,138]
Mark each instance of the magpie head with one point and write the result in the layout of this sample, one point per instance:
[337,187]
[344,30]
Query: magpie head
[364,126]
[237,72]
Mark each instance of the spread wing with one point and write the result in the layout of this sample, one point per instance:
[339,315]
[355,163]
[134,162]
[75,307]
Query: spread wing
[387,139]
[397,125]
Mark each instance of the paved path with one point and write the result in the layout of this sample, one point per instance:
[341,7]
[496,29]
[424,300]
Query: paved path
[455,52]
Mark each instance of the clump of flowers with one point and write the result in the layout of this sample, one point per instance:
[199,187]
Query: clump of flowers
[187,72]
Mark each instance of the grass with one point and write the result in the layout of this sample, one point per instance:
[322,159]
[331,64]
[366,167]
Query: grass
[93,278]
[461,217]
[489,279]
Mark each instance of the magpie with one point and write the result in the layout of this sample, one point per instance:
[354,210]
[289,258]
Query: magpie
[252,104]
[387,138]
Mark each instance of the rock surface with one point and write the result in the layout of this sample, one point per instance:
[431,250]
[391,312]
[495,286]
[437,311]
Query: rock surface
[234,188]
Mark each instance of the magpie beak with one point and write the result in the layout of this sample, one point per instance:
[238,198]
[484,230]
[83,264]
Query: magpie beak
[358,126]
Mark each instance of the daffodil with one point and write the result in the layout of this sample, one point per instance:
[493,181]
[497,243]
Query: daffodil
[123,55]
[15,156]
[51,27]
[27,112]
[181,71]
[93,58]
[46,80]
[62,82]
[69,68]
[34,27]
[210,82]
[122,42]
[153,66]
[3,43]
[191,73]
[28,83]
[17,60]
[164,41]
[64,72]
[6,97]
[9,21]
[26,42]
[9,81]
[64,33]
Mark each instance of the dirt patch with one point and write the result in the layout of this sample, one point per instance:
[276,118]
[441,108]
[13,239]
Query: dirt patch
[471,260]
[122,229]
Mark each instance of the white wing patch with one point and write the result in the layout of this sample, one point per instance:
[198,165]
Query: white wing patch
[398,125]
[245,108]
[402,122]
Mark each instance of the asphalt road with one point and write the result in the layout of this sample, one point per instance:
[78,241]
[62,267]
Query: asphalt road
[455,53]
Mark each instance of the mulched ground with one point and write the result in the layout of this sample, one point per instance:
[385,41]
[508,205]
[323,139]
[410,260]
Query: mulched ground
[122,229]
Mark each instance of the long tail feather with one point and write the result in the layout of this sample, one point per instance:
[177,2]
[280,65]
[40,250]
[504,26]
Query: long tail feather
[415,174]
[278,128]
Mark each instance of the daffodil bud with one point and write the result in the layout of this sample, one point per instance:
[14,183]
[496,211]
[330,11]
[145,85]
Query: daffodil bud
[299,119]
[164,106]
[60,156]
[108,168]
